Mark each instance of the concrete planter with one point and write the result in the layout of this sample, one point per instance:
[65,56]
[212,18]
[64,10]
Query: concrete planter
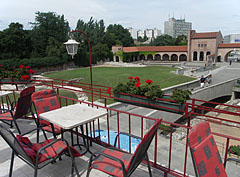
[148,103]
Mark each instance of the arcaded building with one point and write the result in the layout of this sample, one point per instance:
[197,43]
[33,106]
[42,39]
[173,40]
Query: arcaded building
[202,47]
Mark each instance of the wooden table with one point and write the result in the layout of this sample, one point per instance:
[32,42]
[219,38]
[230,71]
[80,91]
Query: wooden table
[73,116]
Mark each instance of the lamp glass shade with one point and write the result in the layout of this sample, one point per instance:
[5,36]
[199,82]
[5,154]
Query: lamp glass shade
[72,47]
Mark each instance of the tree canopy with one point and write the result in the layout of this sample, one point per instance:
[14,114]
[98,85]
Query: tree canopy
[49,32]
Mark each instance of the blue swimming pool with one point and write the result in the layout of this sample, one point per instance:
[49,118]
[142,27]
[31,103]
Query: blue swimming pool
[124,139]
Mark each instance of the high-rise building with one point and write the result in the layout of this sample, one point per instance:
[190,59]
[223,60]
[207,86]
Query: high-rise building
[176,27]
[150,33]
[232,38]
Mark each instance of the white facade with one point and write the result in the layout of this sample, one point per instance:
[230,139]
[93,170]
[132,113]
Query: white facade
[232,38]
[150,33]
[176,27]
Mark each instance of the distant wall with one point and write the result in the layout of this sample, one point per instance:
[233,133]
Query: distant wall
[50,68]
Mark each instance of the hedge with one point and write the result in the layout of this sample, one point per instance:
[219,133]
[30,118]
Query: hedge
[33,62]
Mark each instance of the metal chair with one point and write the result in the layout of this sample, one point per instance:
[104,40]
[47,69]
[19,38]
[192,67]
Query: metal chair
[207,161]
[20,109]
[44,101]
[37,155]
[120,163]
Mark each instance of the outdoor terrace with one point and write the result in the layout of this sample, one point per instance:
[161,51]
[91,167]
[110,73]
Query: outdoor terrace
[168,155]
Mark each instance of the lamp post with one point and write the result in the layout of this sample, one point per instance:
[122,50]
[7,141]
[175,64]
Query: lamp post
[72,47]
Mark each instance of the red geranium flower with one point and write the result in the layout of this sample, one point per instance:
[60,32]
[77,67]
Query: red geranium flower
[21,66]
[25,77]
[149,81]
[130,77]
[1,65]
[108,90]
[27,67]
[137,79]
[31,71]
[137,84]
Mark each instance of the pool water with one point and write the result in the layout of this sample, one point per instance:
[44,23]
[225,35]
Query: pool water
[124,139]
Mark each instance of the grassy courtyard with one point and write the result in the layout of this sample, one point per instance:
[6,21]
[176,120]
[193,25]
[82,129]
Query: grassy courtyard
[110,76]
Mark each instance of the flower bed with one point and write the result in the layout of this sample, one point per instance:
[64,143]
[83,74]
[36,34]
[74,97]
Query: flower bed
[16,75]
[149,95]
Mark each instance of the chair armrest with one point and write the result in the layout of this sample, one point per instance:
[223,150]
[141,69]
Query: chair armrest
[44,147]
[123,133]
[97,154]
[231,159]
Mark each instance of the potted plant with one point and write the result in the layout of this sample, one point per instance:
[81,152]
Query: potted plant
[165,129]
[21,74]
[234,149]
[147,95]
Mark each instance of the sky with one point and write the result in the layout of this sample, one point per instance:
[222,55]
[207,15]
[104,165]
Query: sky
[205,15]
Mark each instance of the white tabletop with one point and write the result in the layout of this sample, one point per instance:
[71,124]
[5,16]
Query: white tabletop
[72,116]
[4,93]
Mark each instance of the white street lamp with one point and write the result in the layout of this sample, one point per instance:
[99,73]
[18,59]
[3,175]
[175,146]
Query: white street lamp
[72,47]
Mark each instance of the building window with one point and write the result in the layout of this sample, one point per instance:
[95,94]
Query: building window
[198,45]
[205,45]
[201,45]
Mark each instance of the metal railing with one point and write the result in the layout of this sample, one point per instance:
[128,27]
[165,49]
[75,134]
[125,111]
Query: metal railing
[134,123]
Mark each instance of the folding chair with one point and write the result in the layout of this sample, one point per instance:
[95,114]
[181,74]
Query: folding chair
[20,109]
[37,155]
[44,101]
[207,161]
[119,163]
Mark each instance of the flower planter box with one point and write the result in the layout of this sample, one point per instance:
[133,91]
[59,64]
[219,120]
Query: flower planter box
[153,104]
[14,81]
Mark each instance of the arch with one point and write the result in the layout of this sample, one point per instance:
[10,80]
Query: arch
[219,58]
[157,57]
[208,53]
[195,55]
[117,58]
[165,57]
[142,57]
[128,58]
[183,57]
[174,57]
[233,55]
[201,56]
[150,57]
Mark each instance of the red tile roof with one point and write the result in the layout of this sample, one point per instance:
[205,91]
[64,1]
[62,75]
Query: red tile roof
[155,49]
[205,35]
[229,45]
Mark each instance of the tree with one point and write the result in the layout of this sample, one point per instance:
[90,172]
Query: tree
[181,40]
[48,25]
[121,34]
[101,51]
[15,42]
[163,40]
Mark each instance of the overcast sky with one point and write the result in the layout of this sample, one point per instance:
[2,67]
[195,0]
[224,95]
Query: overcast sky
[205,15]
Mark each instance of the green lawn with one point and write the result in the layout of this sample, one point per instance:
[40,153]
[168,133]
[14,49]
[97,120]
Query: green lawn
[110,76]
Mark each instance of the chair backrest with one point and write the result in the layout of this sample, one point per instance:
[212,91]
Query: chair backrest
[24,102]
[207,161]
[11,140]
[45,100]
[141,150]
